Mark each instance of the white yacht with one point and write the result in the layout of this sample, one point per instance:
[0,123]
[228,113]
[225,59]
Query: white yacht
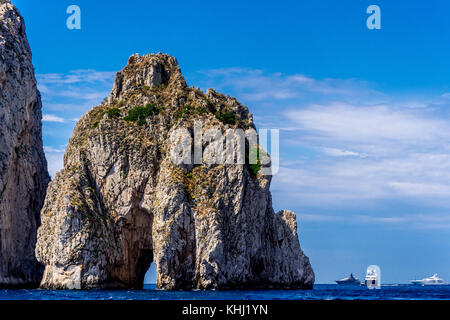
[431,281]
[350,280]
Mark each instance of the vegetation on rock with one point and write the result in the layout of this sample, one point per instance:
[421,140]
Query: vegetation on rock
[254,168]
[140,114]
[113,113]
[226,116]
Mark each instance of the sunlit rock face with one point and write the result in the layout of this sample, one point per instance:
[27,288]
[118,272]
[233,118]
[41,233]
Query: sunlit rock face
[23,169]
[121,202]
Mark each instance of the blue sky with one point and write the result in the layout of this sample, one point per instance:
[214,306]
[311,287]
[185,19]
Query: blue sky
[364,114]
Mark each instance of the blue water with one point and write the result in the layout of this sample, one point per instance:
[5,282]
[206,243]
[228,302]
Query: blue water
[320,292]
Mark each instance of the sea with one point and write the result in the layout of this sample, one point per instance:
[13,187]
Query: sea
[320,292]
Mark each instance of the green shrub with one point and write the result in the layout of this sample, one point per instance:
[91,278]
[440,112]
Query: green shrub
[254,168]
[226,116]
[113,113]
[139,114]
[211,106]
[201,110]
[147,90]
[185,111]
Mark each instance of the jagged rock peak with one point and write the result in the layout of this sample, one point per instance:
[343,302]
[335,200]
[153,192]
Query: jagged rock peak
[149,77]
[23,168]
[121,202]
[147,71]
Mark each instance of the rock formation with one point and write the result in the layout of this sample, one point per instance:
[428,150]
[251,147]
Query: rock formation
[23,169]
[121,202]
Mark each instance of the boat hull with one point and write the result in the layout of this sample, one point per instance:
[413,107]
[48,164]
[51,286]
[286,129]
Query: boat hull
[348,283]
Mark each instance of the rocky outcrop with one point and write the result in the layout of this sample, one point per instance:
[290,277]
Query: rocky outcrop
[23,169]
[121,200]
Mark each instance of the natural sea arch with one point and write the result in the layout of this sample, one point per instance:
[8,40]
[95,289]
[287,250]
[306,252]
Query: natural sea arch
[150,275]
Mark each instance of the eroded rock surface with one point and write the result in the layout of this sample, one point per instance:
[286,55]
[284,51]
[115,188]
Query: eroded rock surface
[121,203]
[23,168]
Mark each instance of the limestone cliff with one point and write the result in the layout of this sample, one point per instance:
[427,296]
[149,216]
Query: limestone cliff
[121,202]
[23,169]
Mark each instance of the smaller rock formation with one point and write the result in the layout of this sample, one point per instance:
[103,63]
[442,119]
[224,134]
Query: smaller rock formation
[23,168]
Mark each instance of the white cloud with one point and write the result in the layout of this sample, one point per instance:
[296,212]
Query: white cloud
[348,181]
[53,150]
[55,157]
[54,162]
[52,118]
[370,153]
[406,220]
[75,77]
[354,219]
[369,124]
[318,217]
[82,94]
[421,189]
[257,85]
[341,153]
[79,87]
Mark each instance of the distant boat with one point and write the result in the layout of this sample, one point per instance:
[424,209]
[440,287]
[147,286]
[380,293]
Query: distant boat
[350,280]
[431,281]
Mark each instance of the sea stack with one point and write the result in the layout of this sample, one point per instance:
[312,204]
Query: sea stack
[121,202]
[23,168]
